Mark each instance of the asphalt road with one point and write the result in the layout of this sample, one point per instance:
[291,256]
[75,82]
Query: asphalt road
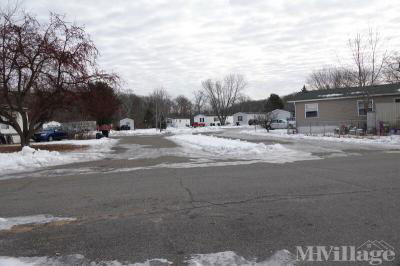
[253,210]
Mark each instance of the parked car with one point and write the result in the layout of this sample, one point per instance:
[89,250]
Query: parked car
[125,127]
[278,124]
[50,135]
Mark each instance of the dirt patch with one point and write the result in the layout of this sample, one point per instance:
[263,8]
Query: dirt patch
[48,147]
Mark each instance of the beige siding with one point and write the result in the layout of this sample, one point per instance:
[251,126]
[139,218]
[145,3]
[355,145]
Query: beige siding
[333,113]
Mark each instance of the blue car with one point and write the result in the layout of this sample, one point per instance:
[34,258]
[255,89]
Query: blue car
[50,135]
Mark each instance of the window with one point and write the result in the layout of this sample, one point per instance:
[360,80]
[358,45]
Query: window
[361,107]
[311,110]
[397,100]
[240,118]
[202,119]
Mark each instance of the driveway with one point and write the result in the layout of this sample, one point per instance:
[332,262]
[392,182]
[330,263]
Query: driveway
[254,210]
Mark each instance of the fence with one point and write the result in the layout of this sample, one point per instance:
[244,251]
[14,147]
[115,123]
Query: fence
[341,127]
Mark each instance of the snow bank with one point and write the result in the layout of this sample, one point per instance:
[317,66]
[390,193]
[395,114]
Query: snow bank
[229,258]
[8,223]
[29,158]
[136,132]
[230,149]
[170,130]
[75,259]
[370,140]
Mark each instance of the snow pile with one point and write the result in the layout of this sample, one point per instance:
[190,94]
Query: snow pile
[169,130]
[211,147]
[75,259]
[52,124]
[227,258]
[136,132]
[369,140]
[29,158]
[230,258]
[8,223]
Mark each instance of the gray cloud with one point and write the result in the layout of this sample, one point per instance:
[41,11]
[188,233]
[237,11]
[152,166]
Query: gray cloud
[178,43]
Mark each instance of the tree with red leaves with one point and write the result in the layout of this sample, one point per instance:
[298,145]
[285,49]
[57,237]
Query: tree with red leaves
[42,68]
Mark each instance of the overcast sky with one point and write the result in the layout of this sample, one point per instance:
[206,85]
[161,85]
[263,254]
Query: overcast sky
[177,43]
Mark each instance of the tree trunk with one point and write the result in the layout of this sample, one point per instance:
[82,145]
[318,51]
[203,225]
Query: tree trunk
[25,139]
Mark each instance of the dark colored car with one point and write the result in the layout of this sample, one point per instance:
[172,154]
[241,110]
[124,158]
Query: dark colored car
[50,135]
[125,127]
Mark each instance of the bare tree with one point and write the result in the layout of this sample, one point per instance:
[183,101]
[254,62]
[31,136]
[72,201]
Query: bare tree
[369,59]
[42,67]
[200,100]
[161,103]
[183,106]
[391,71]
[222,95]
[331,78]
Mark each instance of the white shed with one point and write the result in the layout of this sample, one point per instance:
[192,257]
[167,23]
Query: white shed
[178,122]
[127,122]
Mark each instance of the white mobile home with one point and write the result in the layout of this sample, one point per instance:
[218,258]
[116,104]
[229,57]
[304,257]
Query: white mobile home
[211,120]
[207,120]
[178,122]
[243,118]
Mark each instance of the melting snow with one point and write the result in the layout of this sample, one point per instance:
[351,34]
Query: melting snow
[390,141]
[170,130]
[75,259]
[9,222]
[29,158]
[227,258]
[211,147]
[331,95]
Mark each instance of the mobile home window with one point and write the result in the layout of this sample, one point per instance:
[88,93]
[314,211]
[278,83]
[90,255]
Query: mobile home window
[201,119]
[397,100]
[311,110]
[361,107]
[240,118]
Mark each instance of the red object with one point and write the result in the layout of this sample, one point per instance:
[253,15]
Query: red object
[197,124]
[104,127]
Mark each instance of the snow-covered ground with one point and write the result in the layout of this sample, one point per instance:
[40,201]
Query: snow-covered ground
[30,158]
[211,147]
[226,258]
[170,130]
[393,140]
[75,259]
[230,258]
[9,222]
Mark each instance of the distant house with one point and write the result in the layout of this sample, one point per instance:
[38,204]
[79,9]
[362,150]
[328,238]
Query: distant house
[8,134]
[323,111]
[178,122]
[280,114]
[127,122]
[243,118]
[211,120]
